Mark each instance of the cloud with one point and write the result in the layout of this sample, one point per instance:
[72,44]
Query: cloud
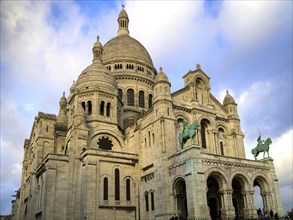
[281,152]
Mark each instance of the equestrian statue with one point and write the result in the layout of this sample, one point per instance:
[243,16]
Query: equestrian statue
[262,146]
[189,132]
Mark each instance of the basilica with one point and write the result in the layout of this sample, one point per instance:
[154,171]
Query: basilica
[123,147]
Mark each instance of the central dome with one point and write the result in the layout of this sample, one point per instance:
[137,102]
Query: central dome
[124,47]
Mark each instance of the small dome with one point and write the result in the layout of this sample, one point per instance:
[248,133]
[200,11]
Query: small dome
[123,13]
[228,99]
[161,77]
[97,75]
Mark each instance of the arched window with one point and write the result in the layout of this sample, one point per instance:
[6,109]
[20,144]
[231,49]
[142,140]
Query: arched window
[203,128]
[141,99]
[130,97]
[117,184]
[149,138]
[146,196]
[47,128]
[105,188]
[108,109]
[83,105]
[89,107]
[150,100]
[152,201]
[127,189]
[120,94]
[222,148]
[102,106]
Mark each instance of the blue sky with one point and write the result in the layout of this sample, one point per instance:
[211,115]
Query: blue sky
[243,46]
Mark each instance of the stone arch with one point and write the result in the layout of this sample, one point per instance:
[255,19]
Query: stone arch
[239,185]
[180,196]
[220,176]
[260,180]
[221,139]
[245,183]
[116,139]
[216,183]
[205,126]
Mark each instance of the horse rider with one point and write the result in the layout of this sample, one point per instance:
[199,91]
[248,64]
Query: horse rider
[260,142]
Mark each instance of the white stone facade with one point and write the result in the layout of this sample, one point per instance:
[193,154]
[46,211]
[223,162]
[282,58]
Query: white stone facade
[113,152]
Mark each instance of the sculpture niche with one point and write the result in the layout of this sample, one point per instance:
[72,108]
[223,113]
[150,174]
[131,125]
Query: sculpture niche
[262,146]
[189,132]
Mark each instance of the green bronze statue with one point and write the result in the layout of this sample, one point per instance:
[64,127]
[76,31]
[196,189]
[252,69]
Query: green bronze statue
[188,132]
[262,146]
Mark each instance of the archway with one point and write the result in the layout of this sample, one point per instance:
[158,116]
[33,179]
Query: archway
[259,186]
[214,198]
[237,196]
[180,197]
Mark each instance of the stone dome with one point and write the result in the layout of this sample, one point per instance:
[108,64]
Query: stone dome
[96,75]
[124,47]
[161,77]
[228,99]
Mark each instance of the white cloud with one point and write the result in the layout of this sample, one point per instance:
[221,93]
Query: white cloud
[248,25]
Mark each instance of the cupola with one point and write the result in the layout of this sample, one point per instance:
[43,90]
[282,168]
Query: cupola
[123,22]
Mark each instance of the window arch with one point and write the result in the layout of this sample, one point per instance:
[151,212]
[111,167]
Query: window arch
[141,99]
[105,186]
[117,184]
[152,201]
[89,107]
[130,97]
[150,100]
[149,138]
[146,197]
[108,108]
[222,148]
[127,189]
[83,105]
[102,106]
[203,132]
[120,94]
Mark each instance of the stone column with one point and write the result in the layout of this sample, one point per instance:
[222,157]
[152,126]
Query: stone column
[253,213]
[230,210]
[246,210]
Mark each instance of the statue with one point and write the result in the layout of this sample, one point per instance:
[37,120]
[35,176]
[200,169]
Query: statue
[188,132]
[262,146]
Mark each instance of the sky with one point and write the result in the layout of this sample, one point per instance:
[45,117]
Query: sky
[243,46]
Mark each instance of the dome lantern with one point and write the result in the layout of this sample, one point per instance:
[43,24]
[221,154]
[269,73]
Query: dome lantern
[97,50]
[123,22]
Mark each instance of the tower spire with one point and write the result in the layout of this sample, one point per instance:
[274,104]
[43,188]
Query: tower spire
[123,22]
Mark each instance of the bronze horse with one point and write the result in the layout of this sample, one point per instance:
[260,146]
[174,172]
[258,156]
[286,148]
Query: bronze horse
[265,147]
[188,132]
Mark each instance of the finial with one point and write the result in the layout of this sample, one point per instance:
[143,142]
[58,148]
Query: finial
[161,69]
[63,94]
[197,66]
[123,6]
[98,37]
[227,91]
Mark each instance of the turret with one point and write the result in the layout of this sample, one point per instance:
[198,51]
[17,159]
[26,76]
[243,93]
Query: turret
[162,94]
[62,116]
[231,106]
